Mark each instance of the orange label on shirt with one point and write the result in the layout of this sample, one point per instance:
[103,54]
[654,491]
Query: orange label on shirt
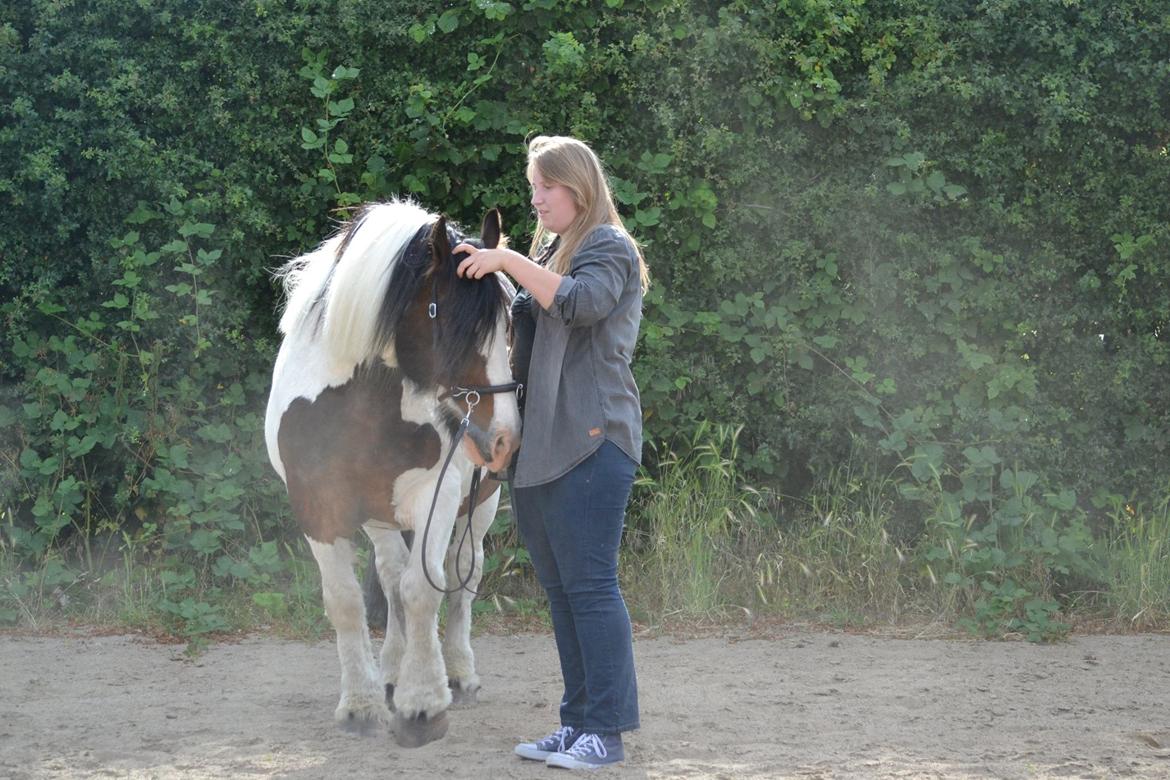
[594,432]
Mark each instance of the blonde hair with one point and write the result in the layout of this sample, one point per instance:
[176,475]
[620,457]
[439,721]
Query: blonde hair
[572,164]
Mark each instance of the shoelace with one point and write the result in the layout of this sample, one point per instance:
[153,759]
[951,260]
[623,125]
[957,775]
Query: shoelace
[587,743]
[560,735]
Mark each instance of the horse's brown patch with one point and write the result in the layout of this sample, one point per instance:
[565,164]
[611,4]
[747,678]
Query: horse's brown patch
[487,489]
[343,451]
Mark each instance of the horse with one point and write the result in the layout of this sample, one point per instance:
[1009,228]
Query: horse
[387,358]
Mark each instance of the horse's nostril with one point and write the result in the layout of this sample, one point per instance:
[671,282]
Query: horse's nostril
[504,444]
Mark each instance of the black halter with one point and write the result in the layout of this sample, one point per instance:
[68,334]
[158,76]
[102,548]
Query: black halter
[471,396]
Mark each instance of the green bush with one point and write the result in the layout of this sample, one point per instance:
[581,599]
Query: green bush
[929,235]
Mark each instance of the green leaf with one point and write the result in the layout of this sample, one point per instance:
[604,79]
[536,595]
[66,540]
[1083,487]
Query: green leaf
[954,191]
[341,108]
[129,279]
[323,87]
[218,433]
[198,229]
[1065,500]
[79,447]
[204,541]
[48,466]
[648,217]
[449,20]
[29,459]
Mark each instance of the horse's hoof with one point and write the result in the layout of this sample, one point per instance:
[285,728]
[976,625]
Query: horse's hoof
[361,724]
[418,731]
[463,697]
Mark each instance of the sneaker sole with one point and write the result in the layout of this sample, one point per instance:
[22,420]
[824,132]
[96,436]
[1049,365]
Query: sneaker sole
[561,761]
[531,753]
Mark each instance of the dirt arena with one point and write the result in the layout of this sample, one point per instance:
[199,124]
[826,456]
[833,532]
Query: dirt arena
[802,703]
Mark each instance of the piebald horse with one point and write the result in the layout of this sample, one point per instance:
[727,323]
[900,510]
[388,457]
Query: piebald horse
[380,337]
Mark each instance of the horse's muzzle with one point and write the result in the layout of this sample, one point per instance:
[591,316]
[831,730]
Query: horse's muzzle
[493,451]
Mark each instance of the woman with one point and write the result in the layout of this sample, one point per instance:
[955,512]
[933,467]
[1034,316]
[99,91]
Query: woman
[582,439]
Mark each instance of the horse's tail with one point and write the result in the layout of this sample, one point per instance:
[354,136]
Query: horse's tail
[339,287]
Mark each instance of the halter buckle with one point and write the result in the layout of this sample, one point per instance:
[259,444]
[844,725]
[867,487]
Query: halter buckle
[433,310]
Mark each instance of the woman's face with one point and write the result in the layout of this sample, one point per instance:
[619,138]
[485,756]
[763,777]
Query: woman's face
[553,203]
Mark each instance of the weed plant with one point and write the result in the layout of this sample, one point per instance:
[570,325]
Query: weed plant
[831,554]
[1138,564]
[686,519]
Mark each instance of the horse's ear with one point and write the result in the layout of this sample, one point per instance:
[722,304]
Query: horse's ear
[492,229]
[440,246]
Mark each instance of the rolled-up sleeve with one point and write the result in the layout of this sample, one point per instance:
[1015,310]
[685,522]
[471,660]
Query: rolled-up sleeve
[599,271]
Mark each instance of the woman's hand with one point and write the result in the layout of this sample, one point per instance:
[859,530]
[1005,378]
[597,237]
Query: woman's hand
[540,281]
[482,262]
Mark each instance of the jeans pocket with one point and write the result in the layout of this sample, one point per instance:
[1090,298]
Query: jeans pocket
[611,478]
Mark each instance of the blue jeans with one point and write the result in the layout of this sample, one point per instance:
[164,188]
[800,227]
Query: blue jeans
[572,527]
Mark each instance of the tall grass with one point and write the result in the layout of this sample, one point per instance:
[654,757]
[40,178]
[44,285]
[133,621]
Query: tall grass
[704,544]
[700,544]
[686,519]
[1137,565]
[830,555]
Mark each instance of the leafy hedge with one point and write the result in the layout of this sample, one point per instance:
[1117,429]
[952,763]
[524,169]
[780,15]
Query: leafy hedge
[934,233]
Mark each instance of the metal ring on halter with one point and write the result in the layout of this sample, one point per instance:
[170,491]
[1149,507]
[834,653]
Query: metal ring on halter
[471,398]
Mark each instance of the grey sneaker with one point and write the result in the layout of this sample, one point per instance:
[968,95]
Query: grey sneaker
[590,751]
[561,739]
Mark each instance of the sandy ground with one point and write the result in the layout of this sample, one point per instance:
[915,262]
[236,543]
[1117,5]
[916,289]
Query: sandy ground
[803,703]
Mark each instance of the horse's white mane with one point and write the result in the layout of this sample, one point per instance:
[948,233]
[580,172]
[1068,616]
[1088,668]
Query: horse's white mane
[354,284]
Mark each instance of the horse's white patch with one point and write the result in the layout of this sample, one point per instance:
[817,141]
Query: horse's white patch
[362,696]
[413,489]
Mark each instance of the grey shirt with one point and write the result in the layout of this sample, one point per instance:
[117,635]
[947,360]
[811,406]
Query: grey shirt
[581,390]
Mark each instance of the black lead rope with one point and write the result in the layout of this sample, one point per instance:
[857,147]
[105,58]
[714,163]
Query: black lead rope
[473,494]
[470,510]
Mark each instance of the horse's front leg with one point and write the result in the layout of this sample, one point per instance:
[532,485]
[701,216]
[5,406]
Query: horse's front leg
[465,562]
[362,707]
[391,556]
[421,697]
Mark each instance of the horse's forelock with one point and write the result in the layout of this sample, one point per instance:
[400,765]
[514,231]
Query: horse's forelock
[468,309]
[469,317]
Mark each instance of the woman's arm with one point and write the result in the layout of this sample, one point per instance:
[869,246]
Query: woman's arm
[537,279]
